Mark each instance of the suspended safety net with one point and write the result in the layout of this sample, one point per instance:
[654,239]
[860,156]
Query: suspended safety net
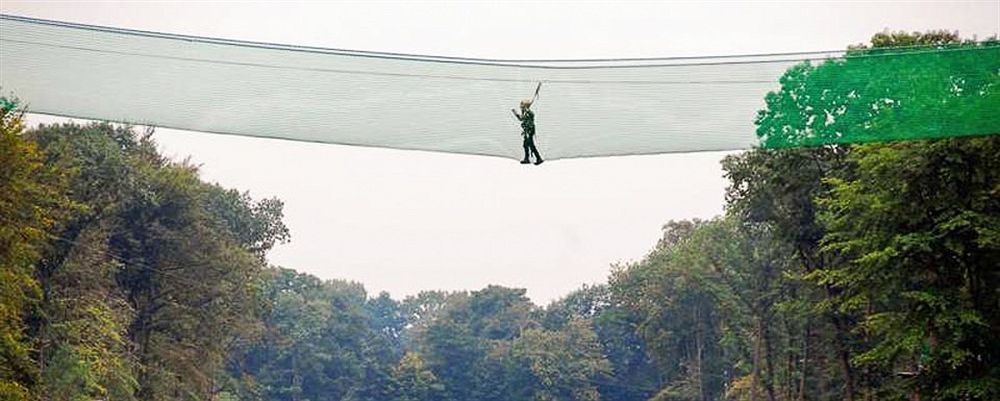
[462,105]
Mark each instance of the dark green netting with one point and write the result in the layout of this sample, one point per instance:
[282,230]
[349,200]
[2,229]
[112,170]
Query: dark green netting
[886,95]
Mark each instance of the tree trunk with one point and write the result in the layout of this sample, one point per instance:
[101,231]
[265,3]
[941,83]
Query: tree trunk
[768,362]
[755,370]
[805,363]
[296,378]
[812,262]
[789,375]
[844,356]
[142,336]
[699,351]
[823,363]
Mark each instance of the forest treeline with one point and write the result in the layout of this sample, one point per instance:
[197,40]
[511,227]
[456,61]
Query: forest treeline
[839,272]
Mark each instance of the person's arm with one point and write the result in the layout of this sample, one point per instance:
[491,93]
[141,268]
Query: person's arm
[518,116]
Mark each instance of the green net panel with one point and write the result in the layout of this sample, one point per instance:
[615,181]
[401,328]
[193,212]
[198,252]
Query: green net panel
[460,105]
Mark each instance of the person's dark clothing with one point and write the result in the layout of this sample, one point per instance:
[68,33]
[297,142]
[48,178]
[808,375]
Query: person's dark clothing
[528,132]
[528,123]
[529,146]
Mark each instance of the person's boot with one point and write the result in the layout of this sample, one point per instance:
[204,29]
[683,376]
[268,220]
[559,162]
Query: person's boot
[537,162]
[525,161]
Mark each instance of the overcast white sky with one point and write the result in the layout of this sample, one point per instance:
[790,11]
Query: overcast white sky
[405,221]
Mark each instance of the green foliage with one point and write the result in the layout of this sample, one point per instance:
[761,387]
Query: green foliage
[320,341]
[566,364]
[124,276]
[876,212]
[153,260]
[257,226]
[414,381]
[32,203]
[838,272]
[919,224]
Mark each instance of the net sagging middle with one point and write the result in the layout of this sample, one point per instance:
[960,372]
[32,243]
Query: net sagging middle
[595,108]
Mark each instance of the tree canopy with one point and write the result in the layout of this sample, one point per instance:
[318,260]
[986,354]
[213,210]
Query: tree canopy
[838,272]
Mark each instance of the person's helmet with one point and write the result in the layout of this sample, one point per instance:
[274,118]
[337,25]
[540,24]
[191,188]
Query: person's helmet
[525,104]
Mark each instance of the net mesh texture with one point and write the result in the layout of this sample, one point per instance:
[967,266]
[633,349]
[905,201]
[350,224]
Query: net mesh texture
[586,108]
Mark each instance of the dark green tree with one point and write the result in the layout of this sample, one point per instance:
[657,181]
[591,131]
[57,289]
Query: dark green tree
[918,223]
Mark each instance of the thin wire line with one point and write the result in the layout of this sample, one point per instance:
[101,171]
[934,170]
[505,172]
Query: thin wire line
[389,74]
[466,60]
[414,56]
[355,52]
[448,77]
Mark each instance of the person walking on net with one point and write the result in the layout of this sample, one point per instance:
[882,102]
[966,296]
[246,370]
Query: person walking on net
[527,118]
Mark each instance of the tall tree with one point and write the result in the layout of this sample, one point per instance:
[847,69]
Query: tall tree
[414,381]
[32,203]
[567,364]
[149,282]
[919,223]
